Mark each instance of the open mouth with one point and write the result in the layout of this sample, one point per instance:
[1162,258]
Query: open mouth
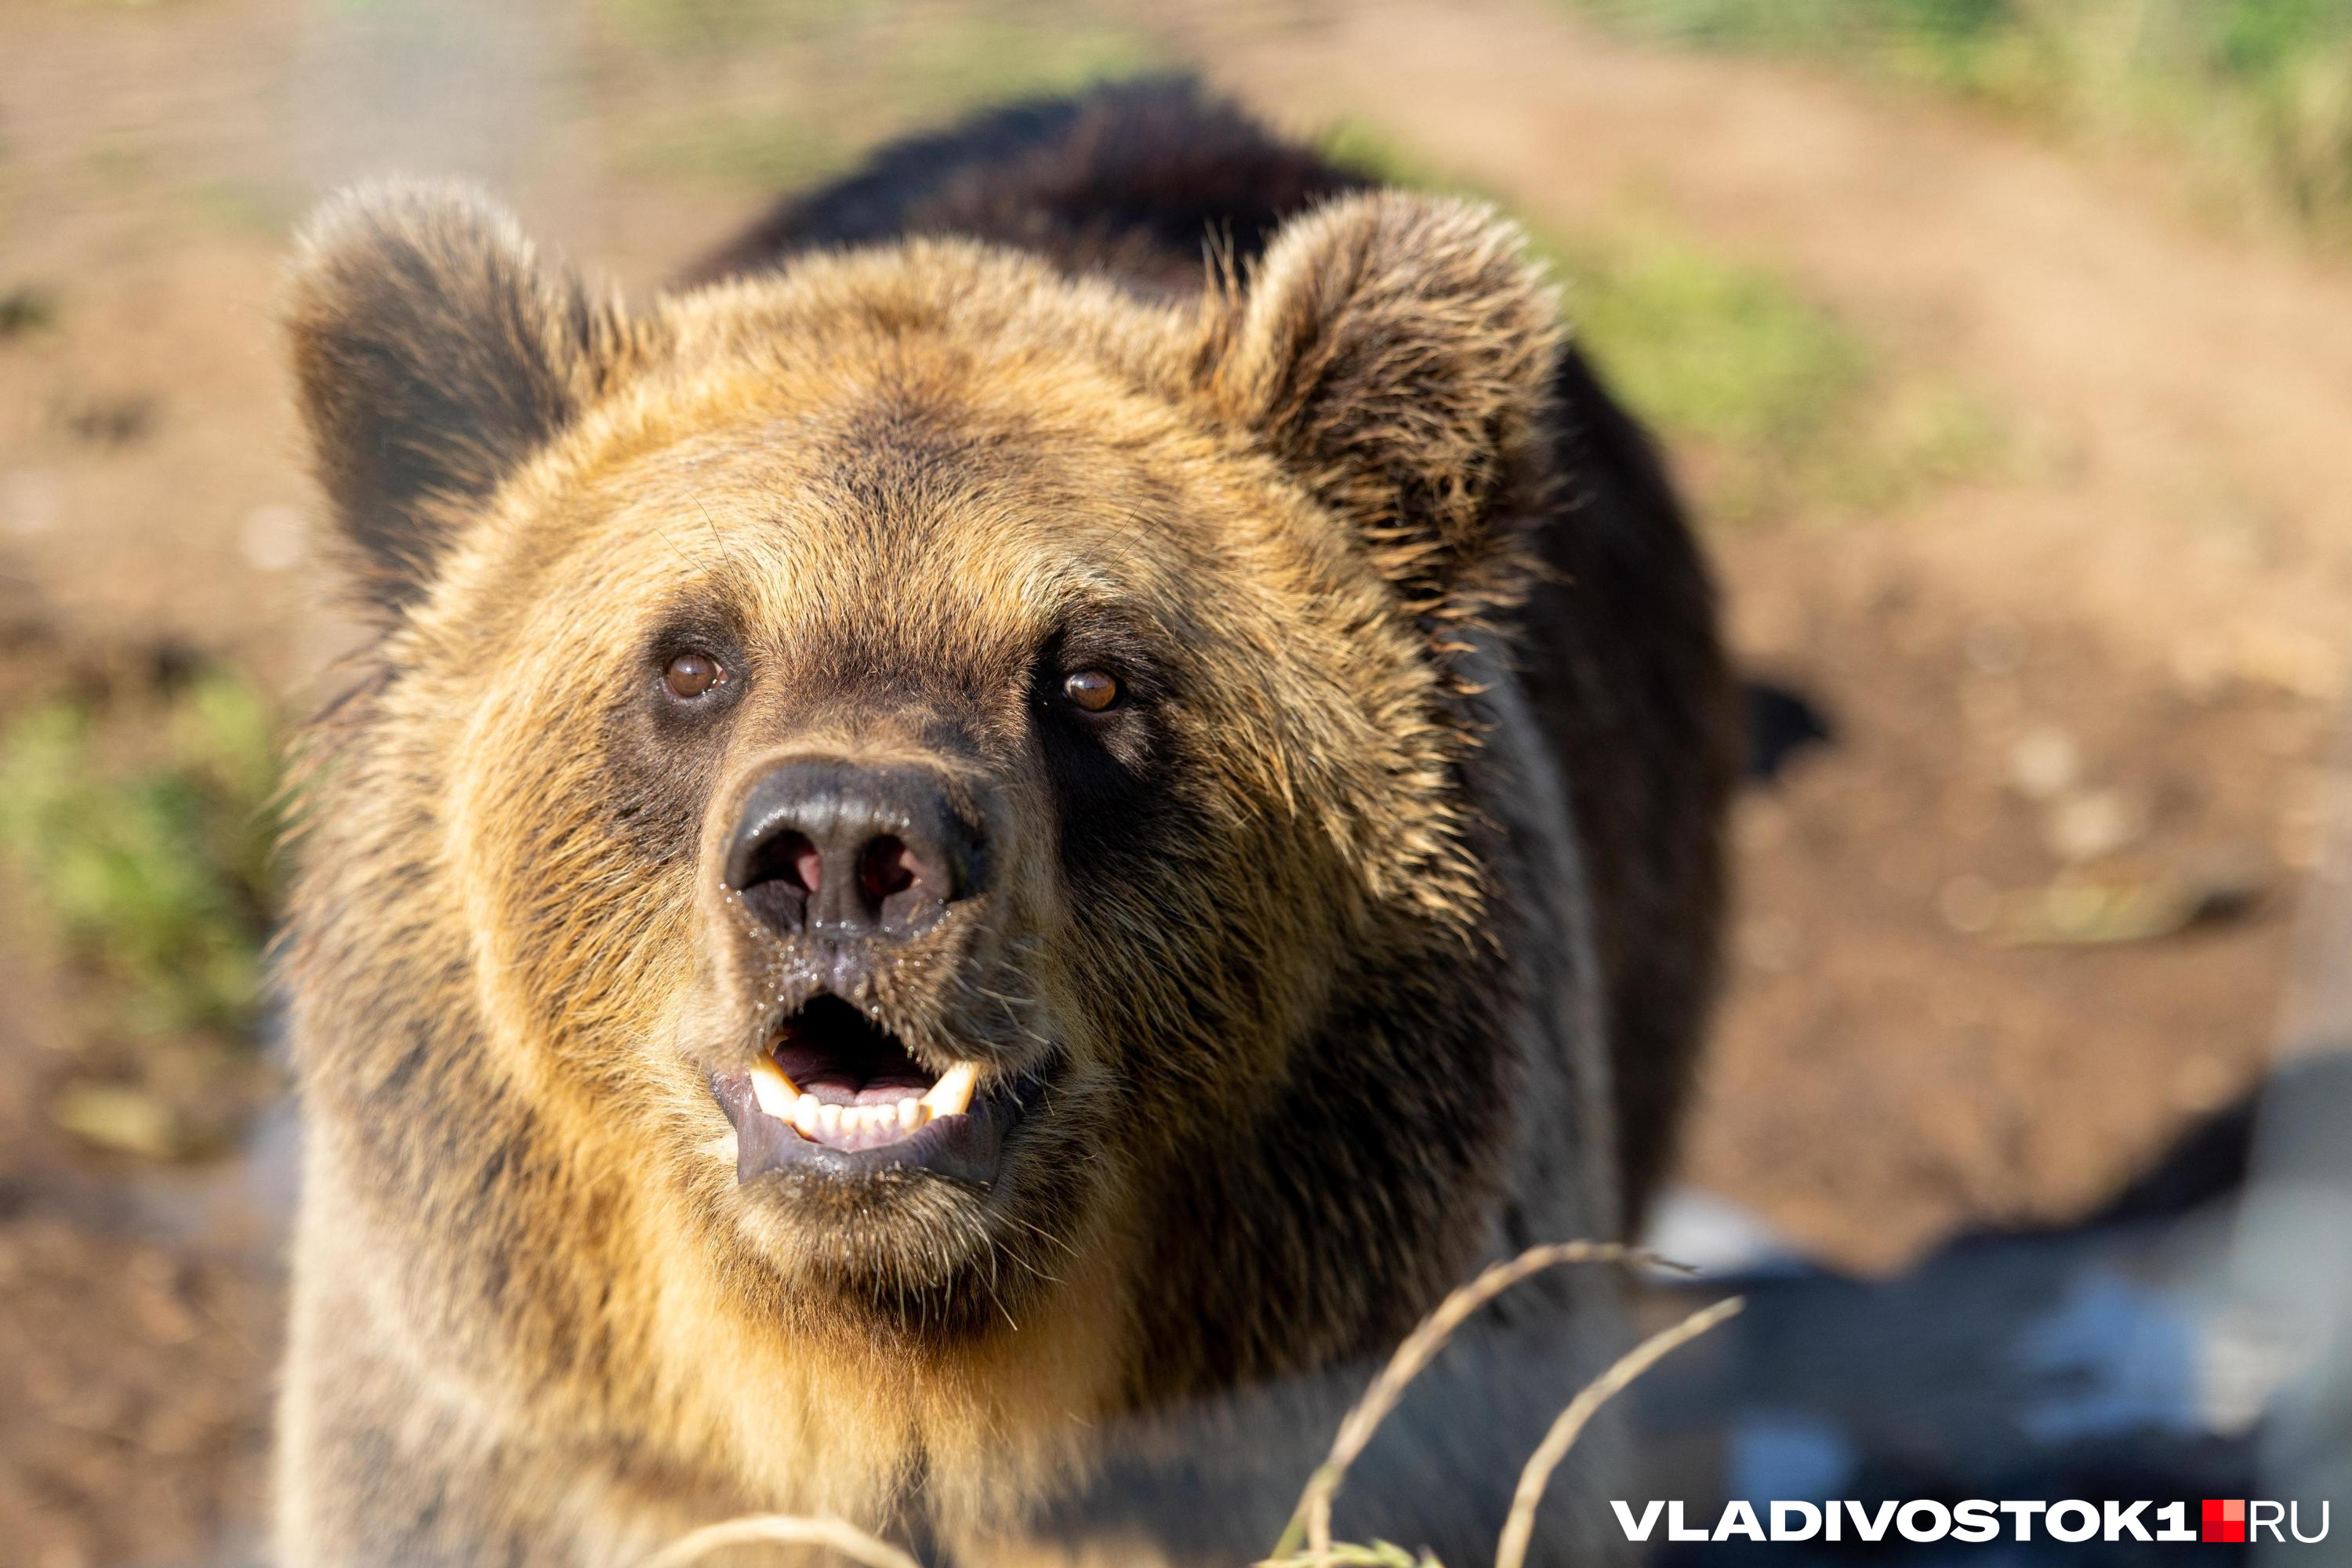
[840,1080]
[836,1093]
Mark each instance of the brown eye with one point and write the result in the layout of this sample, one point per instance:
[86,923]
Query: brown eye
[690,675]
[1090,690]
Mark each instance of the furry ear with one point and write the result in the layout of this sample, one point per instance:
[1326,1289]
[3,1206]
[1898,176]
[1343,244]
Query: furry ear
[1396,350]
[435,353]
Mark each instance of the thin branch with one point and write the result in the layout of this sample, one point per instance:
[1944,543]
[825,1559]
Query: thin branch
[1511,1551]
[782,1530]
[1311,1520]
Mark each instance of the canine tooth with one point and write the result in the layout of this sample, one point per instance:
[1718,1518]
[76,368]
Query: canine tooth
[951,1096]
[804,1114]
[772,1089]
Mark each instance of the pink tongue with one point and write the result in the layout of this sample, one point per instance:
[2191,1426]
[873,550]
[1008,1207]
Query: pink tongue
[818,1072]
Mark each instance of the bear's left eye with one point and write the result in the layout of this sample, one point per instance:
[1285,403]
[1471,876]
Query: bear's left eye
[1090,691]
[690,675]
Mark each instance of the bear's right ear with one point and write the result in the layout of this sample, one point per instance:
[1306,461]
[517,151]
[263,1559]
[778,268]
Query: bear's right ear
[435,353]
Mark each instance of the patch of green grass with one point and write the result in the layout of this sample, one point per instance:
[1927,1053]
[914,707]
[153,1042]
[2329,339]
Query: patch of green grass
[952,69]
[1770,403]
[1936,26]
[692,28]
[1709,347]
[852,77]
[116,163]
[151,865]
[26,309]
[245,207]
[1778,405]
[769,152]
[2256,94]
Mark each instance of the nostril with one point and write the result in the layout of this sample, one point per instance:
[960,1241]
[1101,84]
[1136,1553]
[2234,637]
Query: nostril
[792,859]
[885,866]
[780,878]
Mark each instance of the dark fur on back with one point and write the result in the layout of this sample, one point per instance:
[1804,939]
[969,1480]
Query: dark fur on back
[1145,182]
[1129,181]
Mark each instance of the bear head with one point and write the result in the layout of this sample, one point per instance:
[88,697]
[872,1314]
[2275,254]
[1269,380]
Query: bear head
[940,779]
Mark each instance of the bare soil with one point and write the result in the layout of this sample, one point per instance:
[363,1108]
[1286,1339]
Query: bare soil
[2125,641]
[2159,582]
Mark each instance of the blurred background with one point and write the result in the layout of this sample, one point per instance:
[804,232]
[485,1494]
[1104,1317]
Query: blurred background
[2003,349]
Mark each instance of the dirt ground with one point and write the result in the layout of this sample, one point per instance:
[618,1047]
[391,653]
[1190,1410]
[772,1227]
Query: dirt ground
[2114,659]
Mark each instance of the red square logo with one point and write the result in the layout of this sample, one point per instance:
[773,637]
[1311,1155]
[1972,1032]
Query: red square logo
[2225,1519]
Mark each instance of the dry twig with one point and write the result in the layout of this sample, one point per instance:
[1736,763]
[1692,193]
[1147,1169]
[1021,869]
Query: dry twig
[1519,1527]
[1312,1519]
[783,1529]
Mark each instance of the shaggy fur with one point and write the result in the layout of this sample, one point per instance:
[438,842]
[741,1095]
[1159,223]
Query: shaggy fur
[1616,638]
[1323,942]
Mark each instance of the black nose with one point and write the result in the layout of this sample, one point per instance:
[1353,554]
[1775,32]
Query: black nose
[831,848]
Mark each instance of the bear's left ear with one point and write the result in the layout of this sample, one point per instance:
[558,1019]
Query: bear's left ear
[1395,351]
[436,353]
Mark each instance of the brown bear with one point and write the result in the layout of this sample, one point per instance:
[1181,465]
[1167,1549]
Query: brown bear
[1058,792]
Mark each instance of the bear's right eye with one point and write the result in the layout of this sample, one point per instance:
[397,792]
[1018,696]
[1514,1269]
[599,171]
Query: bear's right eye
[690,675]
[1091,690]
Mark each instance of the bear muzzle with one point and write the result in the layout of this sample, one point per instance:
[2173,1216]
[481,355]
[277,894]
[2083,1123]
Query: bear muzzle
[843,876]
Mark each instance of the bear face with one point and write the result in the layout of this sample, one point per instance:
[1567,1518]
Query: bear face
[921,764]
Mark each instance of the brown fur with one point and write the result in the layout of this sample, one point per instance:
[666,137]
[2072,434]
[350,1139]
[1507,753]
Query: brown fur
[1305,936]
[1615,641]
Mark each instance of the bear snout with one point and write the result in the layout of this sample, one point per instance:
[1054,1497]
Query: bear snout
[830,848]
